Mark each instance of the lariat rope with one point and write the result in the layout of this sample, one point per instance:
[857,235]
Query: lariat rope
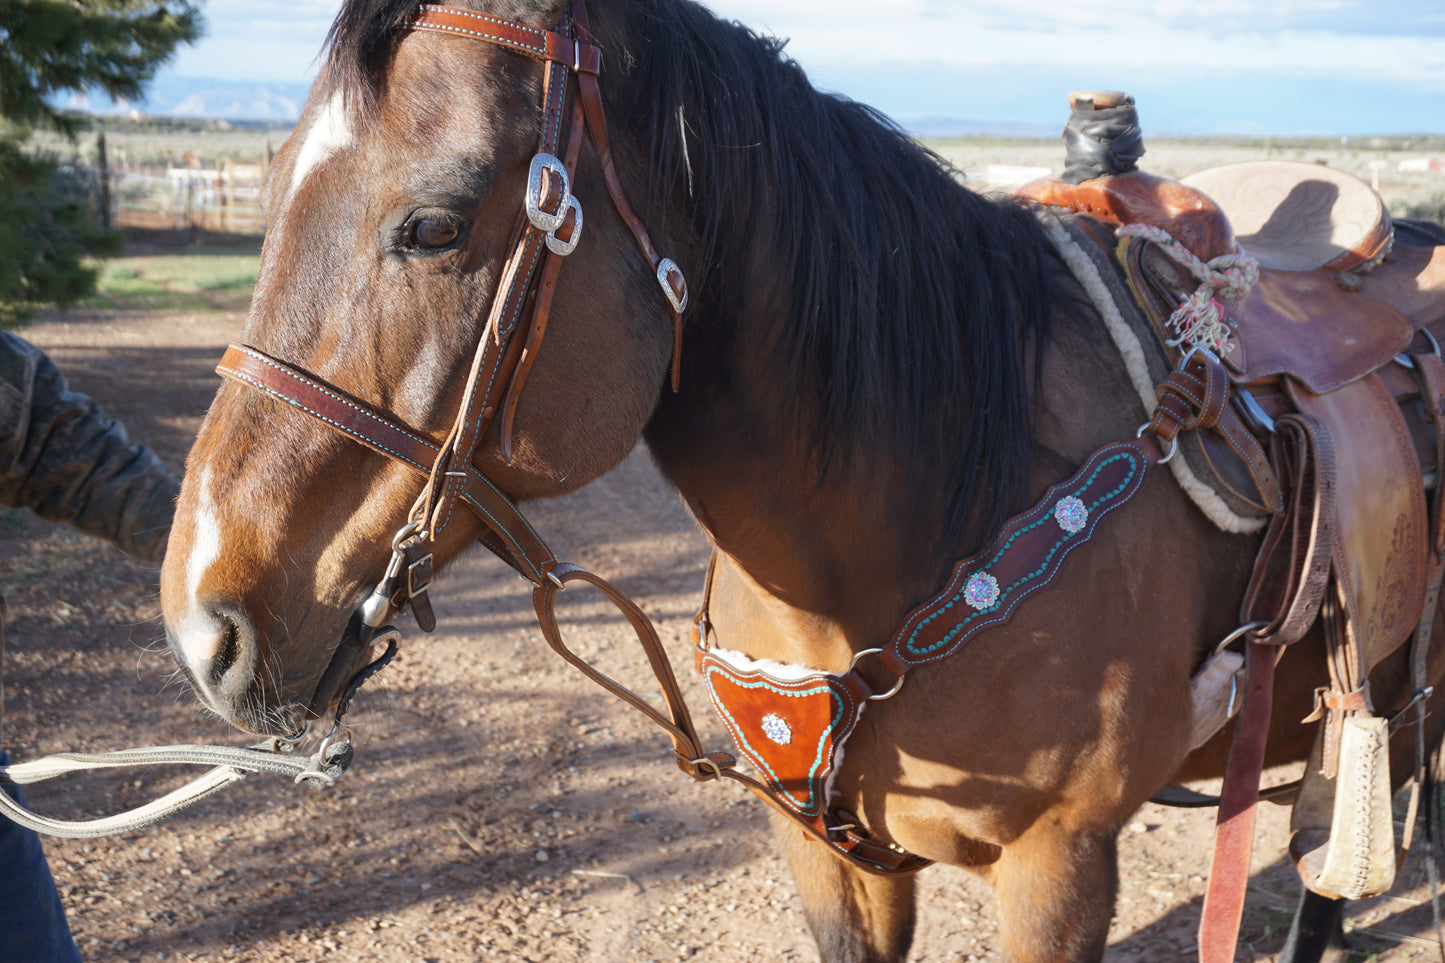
[1199,321]
[230,763]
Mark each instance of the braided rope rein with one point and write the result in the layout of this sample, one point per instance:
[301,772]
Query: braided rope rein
[1199,320]
[333,757]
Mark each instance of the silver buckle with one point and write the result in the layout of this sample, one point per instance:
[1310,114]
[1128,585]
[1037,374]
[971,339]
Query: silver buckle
[665,267]
[540,219]
[555,244]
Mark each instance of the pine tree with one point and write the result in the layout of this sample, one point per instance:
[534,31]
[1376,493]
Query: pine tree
[48,48]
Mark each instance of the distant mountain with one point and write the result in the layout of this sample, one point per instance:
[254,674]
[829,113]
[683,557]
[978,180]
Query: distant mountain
[209,97]
[945,127]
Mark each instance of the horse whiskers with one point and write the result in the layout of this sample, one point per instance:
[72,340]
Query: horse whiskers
[177,680]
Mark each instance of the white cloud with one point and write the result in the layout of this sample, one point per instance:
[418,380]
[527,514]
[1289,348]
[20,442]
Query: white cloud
[858,45]
[1297,36]
[280,38]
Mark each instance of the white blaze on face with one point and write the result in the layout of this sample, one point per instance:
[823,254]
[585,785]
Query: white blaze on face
[200,631]
[330,131]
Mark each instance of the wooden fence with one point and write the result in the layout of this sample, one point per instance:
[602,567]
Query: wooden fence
[223,197]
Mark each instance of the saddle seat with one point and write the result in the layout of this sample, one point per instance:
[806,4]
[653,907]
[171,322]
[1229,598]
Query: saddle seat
[1294,216]
[1335,299]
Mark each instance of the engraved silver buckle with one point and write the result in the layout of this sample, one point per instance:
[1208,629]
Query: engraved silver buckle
[554,243]
[665,267]
[540,219]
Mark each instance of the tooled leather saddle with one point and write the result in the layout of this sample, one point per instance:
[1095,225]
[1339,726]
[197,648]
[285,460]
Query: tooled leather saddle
[1342,333]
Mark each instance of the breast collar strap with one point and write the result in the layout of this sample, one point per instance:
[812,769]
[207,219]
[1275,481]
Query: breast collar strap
[792,727]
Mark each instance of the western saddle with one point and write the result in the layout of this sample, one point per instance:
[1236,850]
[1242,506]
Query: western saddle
[1333,431]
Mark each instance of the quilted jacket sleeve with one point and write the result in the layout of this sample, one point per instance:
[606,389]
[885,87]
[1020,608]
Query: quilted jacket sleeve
[63,457]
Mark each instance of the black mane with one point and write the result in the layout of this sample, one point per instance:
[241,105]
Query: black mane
[910,301]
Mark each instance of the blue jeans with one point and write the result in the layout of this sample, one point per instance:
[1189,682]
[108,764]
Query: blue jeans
[32,920]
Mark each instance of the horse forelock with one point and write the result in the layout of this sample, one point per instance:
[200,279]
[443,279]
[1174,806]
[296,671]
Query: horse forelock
[907,302]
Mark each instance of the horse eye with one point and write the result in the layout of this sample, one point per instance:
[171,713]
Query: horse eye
[435,232]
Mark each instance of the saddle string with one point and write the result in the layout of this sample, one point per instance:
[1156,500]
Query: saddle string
[1199,321]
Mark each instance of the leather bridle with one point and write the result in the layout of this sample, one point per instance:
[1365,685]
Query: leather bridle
[547,230]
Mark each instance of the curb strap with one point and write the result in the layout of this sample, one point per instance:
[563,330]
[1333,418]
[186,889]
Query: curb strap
[792,730]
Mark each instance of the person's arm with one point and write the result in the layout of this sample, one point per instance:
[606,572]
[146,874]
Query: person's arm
[63,457]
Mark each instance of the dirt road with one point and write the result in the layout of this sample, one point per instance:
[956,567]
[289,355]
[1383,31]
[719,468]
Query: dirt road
[501,808]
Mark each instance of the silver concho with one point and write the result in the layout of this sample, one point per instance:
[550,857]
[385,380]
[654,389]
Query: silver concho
[981,590]
[776,728]
[1071,514]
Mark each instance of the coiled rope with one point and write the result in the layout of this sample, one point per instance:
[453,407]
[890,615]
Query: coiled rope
[1199,320]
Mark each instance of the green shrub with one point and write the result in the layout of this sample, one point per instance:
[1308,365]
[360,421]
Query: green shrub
[48,226]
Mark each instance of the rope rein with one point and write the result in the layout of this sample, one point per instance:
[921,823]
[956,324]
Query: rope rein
[230,764]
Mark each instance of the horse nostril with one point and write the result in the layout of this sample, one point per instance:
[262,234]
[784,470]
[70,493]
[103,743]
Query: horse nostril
[227,651]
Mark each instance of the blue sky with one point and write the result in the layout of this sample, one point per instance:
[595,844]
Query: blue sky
[1195,66]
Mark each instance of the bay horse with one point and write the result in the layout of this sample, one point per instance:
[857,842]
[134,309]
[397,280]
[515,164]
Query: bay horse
[877,369]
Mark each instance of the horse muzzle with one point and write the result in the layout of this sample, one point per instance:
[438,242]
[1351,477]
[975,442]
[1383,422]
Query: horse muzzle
[222,652]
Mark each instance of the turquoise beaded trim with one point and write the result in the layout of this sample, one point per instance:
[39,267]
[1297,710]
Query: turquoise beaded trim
[1011,594]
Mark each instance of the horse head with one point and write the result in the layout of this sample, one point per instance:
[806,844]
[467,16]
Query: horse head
[394,215]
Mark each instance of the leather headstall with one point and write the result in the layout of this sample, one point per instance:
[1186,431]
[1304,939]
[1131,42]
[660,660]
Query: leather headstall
[547,230]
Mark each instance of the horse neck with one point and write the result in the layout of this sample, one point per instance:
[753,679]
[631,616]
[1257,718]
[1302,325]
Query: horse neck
[844,290]
[826,557]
